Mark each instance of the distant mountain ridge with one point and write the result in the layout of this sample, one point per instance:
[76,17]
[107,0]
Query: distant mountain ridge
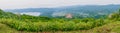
[77,10]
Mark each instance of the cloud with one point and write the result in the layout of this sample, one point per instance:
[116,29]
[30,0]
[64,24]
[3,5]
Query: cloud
[32,13]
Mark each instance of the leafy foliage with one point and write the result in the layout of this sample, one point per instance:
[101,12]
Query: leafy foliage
[115,16]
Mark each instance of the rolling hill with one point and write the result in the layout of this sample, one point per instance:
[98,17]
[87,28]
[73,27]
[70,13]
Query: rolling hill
[76,10]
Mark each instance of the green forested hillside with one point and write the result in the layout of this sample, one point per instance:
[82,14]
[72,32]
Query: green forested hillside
[80,11]
[31,24]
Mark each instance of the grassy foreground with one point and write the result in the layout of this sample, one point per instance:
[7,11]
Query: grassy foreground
[108,28]
[50,26]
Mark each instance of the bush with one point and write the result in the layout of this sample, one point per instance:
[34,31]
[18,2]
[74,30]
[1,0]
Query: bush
[48,26]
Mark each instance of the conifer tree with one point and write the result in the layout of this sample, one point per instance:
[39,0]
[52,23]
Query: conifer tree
[119,11]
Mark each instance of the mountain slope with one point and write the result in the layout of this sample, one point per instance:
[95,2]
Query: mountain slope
[77,10]
[112,26]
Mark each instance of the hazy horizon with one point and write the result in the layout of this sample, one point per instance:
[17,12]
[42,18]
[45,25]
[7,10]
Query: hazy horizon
[16,4]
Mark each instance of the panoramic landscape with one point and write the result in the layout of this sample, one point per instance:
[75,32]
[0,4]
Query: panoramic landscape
[59,16]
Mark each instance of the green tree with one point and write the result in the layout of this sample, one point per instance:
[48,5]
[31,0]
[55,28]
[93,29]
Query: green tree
[115,16]
[119,11]
[0,10]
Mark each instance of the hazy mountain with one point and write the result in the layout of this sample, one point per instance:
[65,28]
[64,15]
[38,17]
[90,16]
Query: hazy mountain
[76,10]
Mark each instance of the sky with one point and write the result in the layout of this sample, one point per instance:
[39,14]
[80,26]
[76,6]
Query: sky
[16,4]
